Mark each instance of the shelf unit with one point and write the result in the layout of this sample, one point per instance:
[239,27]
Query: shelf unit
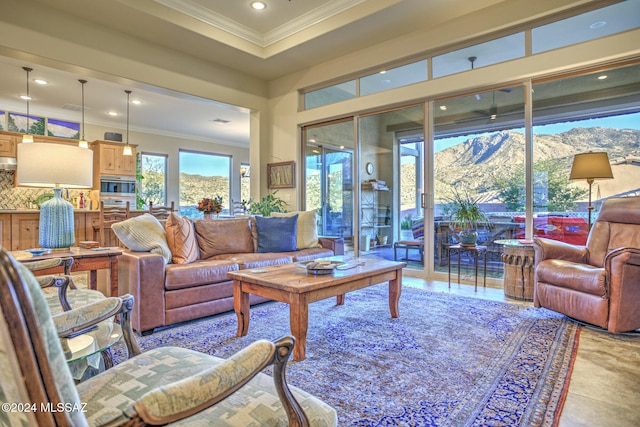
[375,213]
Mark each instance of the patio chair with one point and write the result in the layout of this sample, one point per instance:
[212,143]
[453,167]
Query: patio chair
[417,230]
[158,387]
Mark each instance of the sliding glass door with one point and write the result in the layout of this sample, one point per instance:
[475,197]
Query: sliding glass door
[329,177]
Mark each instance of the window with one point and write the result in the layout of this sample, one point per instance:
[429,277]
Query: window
[483,54]
[153,168]
[329,95]
[203,175]
[395,77]
[612,19]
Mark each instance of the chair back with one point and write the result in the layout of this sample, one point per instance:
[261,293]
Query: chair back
[161,212]
[617,226]
[110,215]
[33,368]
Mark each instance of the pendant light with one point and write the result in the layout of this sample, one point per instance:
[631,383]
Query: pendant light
[127,148]
[83,142]
[27,137]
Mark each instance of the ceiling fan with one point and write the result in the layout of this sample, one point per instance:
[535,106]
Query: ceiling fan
[492,112]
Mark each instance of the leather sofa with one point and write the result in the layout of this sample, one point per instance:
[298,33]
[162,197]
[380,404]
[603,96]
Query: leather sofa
[598,283]
[168,293]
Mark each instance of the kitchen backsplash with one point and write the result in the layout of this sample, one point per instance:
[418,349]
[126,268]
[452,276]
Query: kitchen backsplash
[24,197]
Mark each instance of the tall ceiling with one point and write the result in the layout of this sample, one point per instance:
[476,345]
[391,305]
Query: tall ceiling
[287,36]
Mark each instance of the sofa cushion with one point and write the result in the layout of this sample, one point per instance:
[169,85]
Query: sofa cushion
[571,275]
[256,260]
[310,254]
[180,276]
[223,236]
[307,229]
[277,234]
[181,238]
[143,233]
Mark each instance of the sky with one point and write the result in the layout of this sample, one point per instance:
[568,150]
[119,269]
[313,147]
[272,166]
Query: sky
[204,164]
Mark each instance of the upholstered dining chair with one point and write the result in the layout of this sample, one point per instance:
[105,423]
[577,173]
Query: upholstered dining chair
[598,283]
[161,386]
[63,295]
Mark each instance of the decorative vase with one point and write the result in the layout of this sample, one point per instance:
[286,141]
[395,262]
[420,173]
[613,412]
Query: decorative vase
[56,223]
[213,215]
[468,237]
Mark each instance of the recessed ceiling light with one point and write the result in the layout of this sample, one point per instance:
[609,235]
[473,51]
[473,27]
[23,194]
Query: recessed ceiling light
[598,24]
[136,102]
[383,72]
[602,77]
[25,97]
[312,140]
[41,82]
[112,113]
[443,107]
[258,5]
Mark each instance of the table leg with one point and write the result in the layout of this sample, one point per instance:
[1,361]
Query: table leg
[475,288]
[459,256]
[484,283]
[299,322]
[449,263]
[113,275]
[241,307]
[395,289]
[93,279]
[340,299]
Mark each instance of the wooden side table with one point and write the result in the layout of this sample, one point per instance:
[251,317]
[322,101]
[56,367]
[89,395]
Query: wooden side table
[518,257]
[477,250]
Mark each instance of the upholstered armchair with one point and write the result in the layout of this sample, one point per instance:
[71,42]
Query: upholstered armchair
[598,283]
[160,386]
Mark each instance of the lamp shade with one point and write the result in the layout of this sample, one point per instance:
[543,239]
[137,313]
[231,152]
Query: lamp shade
[592,165]
[54,165]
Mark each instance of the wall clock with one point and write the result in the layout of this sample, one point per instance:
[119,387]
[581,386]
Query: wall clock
[369,168]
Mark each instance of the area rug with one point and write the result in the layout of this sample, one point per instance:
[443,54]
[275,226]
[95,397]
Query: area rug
[447,360]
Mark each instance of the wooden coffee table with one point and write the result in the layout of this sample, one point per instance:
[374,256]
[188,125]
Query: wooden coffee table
[290,284]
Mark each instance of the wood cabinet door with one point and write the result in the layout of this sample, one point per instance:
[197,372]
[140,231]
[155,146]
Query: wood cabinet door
[109,159]
[79,221]
[5,230]
[24,231]
[7,145]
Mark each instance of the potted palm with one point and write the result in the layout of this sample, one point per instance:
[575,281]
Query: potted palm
[466,215]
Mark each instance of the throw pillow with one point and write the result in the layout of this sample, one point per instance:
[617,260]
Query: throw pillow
[223,236]
[307,234]
[143,233]
[181,237]
[277,234]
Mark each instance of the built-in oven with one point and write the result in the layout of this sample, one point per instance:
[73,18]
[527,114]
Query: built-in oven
[118,190]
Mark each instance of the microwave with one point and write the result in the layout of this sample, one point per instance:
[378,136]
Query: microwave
[117,186]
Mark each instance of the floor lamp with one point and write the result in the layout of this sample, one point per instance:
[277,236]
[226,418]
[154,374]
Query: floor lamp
[57,166]
[591,166]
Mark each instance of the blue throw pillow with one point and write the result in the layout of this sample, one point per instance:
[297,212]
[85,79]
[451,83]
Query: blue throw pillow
[277,234]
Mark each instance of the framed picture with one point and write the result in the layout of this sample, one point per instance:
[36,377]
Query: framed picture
[281,175]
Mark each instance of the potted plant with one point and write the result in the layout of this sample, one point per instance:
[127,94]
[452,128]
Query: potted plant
[466,215]
[405,228]
[266,205]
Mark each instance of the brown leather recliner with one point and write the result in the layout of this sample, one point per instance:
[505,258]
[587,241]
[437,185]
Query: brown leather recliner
[598,283]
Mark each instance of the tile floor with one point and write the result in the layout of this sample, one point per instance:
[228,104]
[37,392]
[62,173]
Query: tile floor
[604,390]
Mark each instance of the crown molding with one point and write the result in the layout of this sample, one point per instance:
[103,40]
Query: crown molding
[263,40]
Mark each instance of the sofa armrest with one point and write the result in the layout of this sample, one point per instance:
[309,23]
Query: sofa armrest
[336,244]
[554,249]
[142,274]
[622,267]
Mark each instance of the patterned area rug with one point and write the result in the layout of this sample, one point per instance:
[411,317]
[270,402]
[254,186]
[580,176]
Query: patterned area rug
[447,360]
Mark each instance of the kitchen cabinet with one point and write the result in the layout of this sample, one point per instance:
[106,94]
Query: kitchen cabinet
[108,160]
[19,230]
[5,230]
[24,230]
[8,145]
